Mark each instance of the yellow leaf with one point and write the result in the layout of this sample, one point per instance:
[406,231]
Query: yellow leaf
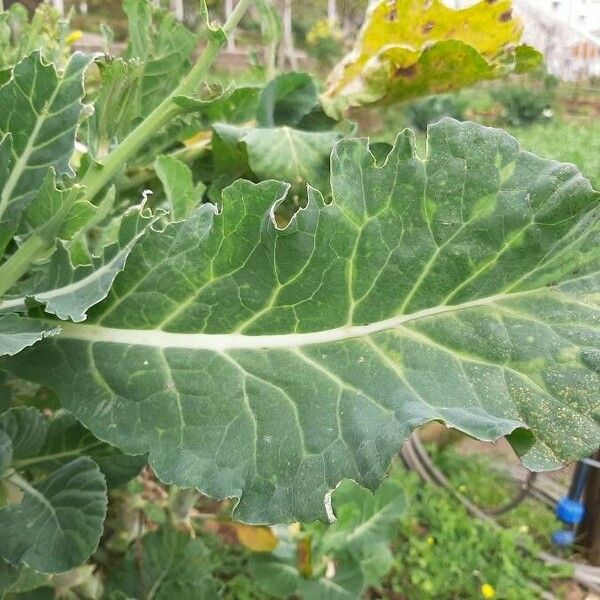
[198,138]
[412,48]
[73,37]
[256,538]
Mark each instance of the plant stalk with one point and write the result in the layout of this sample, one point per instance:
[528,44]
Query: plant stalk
[18,264]
[182,501]
[100,175]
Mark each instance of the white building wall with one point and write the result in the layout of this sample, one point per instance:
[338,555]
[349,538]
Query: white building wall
[578,13]
[567,32]
[584,14]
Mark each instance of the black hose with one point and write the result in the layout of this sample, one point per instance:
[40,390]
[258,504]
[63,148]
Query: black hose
[417,458]
[525,491]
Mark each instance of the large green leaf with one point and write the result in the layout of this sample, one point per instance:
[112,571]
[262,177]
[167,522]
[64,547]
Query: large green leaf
[413,48]
[268,364]
[58,523]
[40,112]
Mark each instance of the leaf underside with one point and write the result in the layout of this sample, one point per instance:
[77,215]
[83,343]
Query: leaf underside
[18,332]
[269,364]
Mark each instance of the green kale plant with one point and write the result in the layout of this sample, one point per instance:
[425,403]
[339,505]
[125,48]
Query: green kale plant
[223,283]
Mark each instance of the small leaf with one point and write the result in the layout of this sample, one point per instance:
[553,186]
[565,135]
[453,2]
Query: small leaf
[202,103]
[17,332]
[157,57]
[286,100]
[28,440]
[117,108]
[291,155]
[364,526]
[255,538]
[5,454]
[203,15]
[60,213]
[409,49]
[16,580]
[26,428]
[270,22]
[182,195]
[67,438]
[163,47]
[357,543]
[21,31]
[165,565]
[236,108]
[282,579]
[216,33]
[40,113]
[58,523]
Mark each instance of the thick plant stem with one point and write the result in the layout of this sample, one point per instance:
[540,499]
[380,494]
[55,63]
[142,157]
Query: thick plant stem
[18,264]
[182,502]
[100,175]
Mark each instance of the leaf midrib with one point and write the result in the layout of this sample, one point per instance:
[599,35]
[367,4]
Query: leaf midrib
[223,342]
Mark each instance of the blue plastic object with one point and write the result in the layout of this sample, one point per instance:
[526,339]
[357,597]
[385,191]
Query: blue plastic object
[570,511]
[564,537]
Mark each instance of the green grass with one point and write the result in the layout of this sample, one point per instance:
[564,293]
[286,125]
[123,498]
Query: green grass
[558,139]
[476,478]
[565,141]
[444,553]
